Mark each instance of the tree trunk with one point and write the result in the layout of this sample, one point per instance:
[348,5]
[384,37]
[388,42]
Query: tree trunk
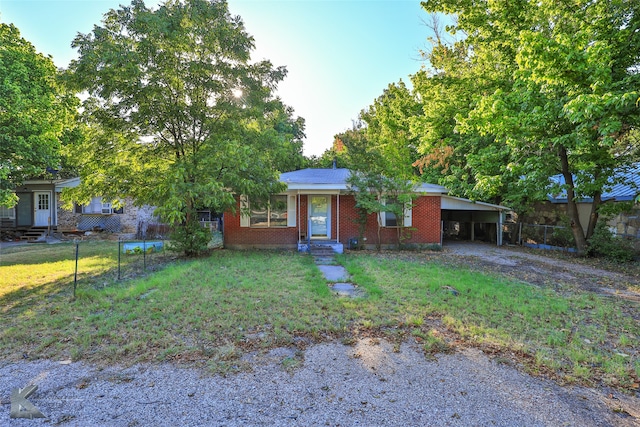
[572,208]
[593,217]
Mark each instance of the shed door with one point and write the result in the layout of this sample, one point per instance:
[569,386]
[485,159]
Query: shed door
[42,202]
[24,210]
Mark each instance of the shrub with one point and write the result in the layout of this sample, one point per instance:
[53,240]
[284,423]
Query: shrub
[190,239]
[603,243]
[563,236]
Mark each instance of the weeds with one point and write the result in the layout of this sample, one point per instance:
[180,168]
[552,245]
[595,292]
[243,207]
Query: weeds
[212,310]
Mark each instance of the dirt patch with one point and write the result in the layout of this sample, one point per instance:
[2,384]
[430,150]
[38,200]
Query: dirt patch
[564,273]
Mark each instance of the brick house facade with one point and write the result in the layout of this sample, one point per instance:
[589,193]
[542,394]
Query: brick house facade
[319,208]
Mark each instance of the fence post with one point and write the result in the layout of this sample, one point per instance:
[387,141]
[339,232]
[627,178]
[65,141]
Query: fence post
[545,234]
[520,234]
[144,253]
[119,252]
[75,274]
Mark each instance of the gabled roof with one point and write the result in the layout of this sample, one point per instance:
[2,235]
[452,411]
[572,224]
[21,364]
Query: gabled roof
[336,179]
[626,189]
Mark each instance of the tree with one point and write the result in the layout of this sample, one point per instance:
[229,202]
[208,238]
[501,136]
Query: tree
[36,113]
[564,93]
[178,116]
[380,179]
[388,132]
[374,194]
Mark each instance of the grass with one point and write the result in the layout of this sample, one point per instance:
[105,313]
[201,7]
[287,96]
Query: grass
[213,310]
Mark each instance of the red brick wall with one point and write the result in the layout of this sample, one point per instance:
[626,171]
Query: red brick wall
[425,221]
[247,237]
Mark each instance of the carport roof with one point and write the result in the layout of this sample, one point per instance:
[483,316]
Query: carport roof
[460,204]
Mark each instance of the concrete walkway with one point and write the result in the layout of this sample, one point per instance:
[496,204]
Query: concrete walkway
[337,276]
[333,273]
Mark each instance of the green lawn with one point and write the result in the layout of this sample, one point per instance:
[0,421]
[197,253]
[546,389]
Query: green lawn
[212,310]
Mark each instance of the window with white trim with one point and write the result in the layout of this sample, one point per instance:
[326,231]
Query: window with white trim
[98,206]
[390,219]
[279,211]
[9,213]
[269,214]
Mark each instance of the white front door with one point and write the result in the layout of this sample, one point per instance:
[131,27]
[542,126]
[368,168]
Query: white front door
[319,216]
[42,208]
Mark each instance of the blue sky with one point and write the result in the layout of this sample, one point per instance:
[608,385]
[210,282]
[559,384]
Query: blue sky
[340,54]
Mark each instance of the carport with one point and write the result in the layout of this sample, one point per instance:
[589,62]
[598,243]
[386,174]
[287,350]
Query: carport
[464,219]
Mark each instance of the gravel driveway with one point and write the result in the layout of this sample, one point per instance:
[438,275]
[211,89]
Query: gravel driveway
[365,384]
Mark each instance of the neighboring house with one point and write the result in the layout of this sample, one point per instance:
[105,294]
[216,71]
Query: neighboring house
[554,211]
[39,205]
[318,207]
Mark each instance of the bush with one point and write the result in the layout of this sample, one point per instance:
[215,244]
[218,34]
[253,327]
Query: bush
[563,236]
[604,244]
[190,239]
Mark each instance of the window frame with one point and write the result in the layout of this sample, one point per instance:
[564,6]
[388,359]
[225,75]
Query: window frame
[407,217]
[11,212]
[105,208]
[270,212]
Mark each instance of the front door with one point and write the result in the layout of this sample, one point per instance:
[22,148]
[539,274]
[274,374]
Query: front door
[42,211]
[319,217]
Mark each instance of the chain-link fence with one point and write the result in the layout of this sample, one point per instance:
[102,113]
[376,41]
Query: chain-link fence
[536,235]
[124,259]
[99,263]
[549,236]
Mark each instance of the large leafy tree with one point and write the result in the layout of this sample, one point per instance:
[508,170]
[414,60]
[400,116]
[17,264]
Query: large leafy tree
[388,132]
[36,113]
[179,116]
[563,94]
[379,150]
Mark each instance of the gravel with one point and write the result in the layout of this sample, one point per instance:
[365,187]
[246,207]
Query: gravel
[365,384]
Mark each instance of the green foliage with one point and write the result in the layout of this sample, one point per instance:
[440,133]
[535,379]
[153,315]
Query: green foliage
[211,308]
[177,115]
[380,141]
[544,88]
[37,115]
[190,239]
[375,194]
[562,235]
[604,244]
[379,150]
